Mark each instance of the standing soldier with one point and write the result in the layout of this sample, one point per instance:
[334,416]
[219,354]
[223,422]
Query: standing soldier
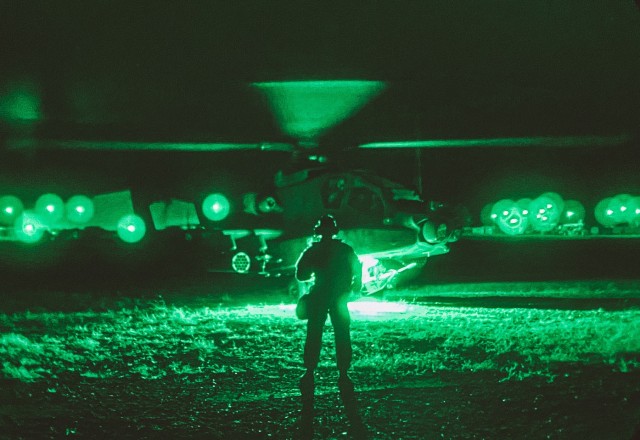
[336,271]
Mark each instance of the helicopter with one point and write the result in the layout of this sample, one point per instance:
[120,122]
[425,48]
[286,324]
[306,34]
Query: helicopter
[389,225]
[392,229]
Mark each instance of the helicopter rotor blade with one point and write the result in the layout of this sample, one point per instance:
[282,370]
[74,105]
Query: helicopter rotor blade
[527,142]
[159,146]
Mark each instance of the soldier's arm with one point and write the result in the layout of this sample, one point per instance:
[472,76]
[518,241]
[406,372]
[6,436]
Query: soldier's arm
[356,270]
[304,270]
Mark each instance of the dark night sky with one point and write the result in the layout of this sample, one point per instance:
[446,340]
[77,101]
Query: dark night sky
[134,71]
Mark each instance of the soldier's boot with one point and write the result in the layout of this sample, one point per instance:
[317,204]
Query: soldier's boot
[307,391]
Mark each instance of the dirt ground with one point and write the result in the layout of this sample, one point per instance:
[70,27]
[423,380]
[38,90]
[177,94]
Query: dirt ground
[147,369]
[583,404]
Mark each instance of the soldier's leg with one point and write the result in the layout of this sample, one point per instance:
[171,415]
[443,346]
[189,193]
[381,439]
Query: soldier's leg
[341,322]
[313,342]
[312,347]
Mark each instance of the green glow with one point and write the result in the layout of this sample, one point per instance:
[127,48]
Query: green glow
[634,211]
[618,207]
[486,216]
[50,208]
[375,308]
[306,109]
[169,146]
[154,340]
[603,214]
[566,141]
[79,209]
[216,207]
[20,103]
[369,266]
[10,209]
[131,228]
[523,206]
[548,210]
[574,212]
[29,227]
[507,215]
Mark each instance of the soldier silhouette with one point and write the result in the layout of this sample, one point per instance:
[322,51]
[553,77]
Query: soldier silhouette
[335,270]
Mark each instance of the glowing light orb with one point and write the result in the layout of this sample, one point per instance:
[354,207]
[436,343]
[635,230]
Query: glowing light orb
[507,215]
[216,207]
[131,228]
[603,214]
[485,215]
[619,206]
[634,211]
[29,227]
[574,212]
[545,212]
[10,209]
[50,208]
[79,209]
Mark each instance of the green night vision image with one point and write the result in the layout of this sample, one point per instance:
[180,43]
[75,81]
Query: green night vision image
[280,220]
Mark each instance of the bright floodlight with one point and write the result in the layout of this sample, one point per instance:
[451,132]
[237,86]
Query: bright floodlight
[50,208]
[374,308]
[79,209]
[215,207]
[10,209]
[131,228]
[29,227]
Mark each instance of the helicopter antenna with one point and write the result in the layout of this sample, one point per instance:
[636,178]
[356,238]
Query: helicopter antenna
[419,171]
[418,179]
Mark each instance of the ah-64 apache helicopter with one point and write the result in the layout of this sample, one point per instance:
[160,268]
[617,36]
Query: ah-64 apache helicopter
[390,226]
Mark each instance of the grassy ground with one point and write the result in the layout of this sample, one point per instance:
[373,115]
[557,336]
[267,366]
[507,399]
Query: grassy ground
[208,366]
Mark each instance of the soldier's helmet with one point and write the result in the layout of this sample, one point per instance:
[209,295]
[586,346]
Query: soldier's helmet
[326,226]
